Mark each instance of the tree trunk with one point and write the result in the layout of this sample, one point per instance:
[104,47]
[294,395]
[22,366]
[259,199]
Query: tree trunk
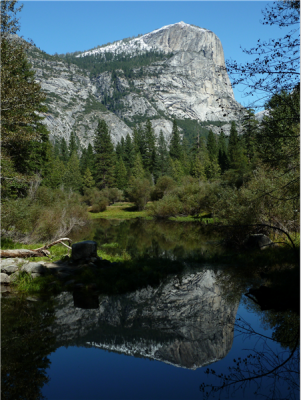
[40,252]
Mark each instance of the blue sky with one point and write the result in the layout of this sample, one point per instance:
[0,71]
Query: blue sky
[67,26]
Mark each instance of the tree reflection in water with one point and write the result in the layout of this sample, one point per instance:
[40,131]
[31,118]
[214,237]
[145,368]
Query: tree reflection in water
[26,343]
[268,372]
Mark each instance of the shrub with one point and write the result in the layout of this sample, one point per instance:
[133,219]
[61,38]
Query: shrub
[139,192]
[164,185]
[100,206]
[50,214]
[169,206]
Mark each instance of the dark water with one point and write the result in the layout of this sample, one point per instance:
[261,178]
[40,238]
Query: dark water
[156,342]
[141,238]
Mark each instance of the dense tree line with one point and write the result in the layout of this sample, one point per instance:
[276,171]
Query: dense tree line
[244,178]
[98,63]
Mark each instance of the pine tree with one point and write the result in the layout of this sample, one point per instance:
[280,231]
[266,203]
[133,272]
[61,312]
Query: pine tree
[22,105]
[64,152]
[250,129]
[222,152]
[198,170]
[162,155]
[121,175]
[88,181]
[211,146]
[212,170]
[55,172]
[72,144]
[175,148]
[138,170]
[129,152]
[186,157]
[72,178]
[177,170]
[234,147]
[104,156]
[87,159]
[149,146]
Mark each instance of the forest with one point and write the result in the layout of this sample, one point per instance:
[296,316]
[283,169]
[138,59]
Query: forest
[249,179]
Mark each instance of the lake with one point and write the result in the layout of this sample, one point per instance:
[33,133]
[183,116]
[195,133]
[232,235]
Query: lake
[161,342]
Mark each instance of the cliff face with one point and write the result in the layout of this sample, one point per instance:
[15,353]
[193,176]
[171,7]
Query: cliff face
[191,82]
[183,322]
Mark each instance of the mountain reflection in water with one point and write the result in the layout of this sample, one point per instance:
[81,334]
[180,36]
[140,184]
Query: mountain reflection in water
[184,322]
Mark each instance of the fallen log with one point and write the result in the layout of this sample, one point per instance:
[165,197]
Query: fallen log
[40,252]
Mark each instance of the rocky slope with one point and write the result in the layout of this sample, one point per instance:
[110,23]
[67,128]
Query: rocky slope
[190,82]
[184,322]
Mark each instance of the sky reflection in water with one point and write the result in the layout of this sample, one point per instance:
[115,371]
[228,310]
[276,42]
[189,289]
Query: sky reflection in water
[79,373]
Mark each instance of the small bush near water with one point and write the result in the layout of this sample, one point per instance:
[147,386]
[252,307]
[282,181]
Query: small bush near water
[43,216]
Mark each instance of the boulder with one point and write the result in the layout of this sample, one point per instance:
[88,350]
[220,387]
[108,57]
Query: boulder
[4,278]
[34,268]
[10,269]
[83,250]
[258,241]
[5,262]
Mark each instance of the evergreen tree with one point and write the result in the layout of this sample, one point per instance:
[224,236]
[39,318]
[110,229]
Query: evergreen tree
[198,170]
[175,148]
[64,152]
[56,148]
[212,169]
[136,139]
[104,156]
[88,181]
[162,155]
[177,170]
[211,146]
[22,130]
[138,170]
[87,159]
[56,170]
[250,128]
[72,178]
[186,158]
[73,147]
[149,146]
[156,171]
[121,175]
[129,152]
[222,152]
[235,149]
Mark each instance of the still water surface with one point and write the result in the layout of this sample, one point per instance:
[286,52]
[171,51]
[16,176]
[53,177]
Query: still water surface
[155,343]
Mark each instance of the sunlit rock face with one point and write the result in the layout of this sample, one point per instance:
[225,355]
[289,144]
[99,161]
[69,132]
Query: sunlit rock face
[185,322]
[193,83]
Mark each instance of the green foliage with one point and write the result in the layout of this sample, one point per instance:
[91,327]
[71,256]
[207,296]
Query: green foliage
[163,163]
[24,137]
[121,175]
[166,207]
[72,178]
[88,181]
[138,170]
[55,171]
[164,185]
[96,64]
[28,333]
[139,192]
[192,129]
[46,214]
[175,148]
[211,146]
[104,156]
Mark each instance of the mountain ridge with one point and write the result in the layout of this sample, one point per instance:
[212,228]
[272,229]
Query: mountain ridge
[187,81]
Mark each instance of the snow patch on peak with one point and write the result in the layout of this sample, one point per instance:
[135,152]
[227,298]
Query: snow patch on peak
[136,45]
